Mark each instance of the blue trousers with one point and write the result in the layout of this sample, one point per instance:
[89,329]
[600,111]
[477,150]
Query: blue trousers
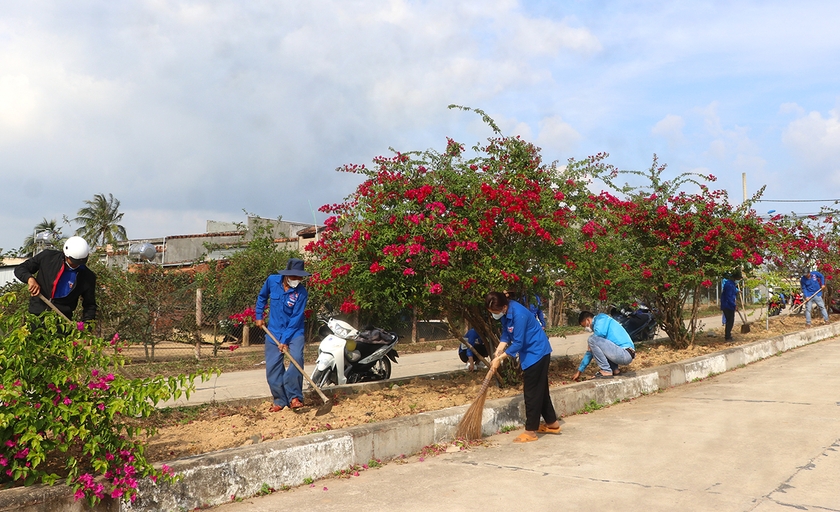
[284,384]
[607,354]
[820,303]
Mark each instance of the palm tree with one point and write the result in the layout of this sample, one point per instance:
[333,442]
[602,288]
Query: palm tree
[49,233]
[100,221]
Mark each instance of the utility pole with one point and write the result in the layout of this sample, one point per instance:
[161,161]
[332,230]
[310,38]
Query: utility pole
[744,184]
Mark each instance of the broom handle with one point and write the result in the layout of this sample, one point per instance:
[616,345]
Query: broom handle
[483,360]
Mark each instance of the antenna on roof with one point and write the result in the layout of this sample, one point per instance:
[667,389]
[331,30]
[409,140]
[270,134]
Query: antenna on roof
[313,215]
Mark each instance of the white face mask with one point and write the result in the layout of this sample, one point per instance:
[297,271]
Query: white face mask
[497,316]
[587,329]
[293,282]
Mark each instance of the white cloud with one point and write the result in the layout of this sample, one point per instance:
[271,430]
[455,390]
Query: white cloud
[670,127]
[557,137]
[731,144]
[816,140]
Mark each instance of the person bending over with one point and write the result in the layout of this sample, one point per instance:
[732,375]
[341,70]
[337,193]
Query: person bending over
[609,344]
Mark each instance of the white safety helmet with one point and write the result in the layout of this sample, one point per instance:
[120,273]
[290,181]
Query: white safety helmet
[76,249]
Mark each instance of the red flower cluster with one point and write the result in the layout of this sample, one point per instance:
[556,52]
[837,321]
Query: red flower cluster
[248,316]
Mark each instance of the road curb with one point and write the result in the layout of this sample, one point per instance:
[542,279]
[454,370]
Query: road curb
[216,478]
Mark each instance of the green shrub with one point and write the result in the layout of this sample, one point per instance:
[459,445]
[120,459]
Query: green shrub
[67,413]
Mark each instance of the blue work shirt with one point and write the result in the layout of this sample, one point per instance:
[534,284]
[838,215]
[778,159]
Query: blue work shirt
[524,334]
[473,340]
[812,283]
[727,297]
[286,309]
[65,282]
[607,327]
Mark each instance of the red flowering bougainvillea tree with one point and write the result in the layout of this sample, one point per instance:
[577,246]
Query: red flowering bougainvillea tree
[805,242]
[438,230]
[662,245]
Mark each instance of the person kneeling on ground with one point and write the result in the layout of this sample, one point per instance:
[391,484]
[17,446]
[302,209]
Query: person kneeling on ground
[471,342]
[523,335]
[609,345]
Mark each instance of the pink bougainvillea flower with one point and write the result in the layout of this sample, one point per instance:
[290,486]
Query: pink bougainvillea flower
[80,326]
[707,283]
[408,272]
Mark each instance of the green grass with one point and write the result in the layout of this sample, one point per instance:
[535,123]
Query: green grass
[591,406]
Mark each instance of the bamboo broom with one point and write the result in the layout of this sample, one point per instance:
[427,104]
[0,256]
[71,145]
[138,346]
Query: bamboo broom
[470,426]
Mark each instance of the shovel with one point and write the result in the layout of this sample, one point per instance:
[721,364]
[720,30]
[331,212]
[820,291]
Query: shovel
[324,409]
[800,307]
[52,306]
[745,327]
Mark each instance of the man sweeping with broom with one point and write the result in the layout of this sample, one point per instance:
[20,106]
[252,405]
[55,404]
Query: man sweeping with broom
[522,334]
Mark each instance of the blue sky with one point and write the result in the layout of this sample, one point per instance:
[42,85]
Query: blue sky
[189,111]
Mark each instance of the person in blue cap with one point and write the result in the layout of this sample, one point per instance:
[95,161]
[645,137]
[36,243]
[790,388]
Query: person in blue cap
[286,298]
[812,284]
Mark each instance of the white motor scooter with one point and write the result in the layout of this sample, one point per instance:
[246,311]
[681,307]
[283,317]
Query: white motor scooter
[346,356]
[331,352]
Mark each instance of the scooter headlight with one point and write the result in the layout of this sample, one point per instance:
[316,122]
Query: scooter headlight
[351,345]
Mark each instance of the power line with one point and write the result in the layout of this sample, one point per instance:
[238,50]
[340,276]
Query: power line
[797,200]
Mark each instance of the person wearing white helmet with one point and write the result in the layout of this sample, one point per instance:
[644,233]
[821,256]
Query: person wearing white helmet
[63,277]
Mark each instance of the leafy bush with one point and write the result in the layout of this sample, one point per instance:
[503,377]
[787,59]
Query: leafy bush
[67,413]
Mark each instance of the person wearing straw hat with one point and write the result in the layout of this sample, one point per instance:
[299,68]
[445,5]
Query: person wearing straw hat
[286,298]
[523,335]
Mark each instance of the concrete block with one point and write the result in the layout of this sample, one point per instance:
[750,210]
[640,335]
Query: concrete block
[214,479]
[702,367]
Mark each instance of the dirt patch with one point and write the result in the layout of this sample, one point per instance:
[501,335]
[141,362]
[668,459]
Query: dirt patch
[190,431]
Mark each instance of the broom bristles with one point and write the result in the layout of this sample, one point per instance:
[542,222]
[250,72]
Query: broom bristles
[470,426]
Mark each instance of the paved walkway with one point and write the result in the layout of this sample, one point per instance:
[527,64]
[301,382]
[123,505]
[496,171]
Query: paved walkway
[252,385]
[763,438]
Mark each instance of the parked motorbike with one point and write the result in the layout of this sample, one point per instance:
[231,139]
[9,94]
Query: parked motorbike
[348,356]
[640,323]
[777,302]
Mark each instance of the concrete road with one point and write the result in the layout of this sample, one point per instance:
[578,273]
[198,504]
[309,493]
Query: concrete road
[764,438]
